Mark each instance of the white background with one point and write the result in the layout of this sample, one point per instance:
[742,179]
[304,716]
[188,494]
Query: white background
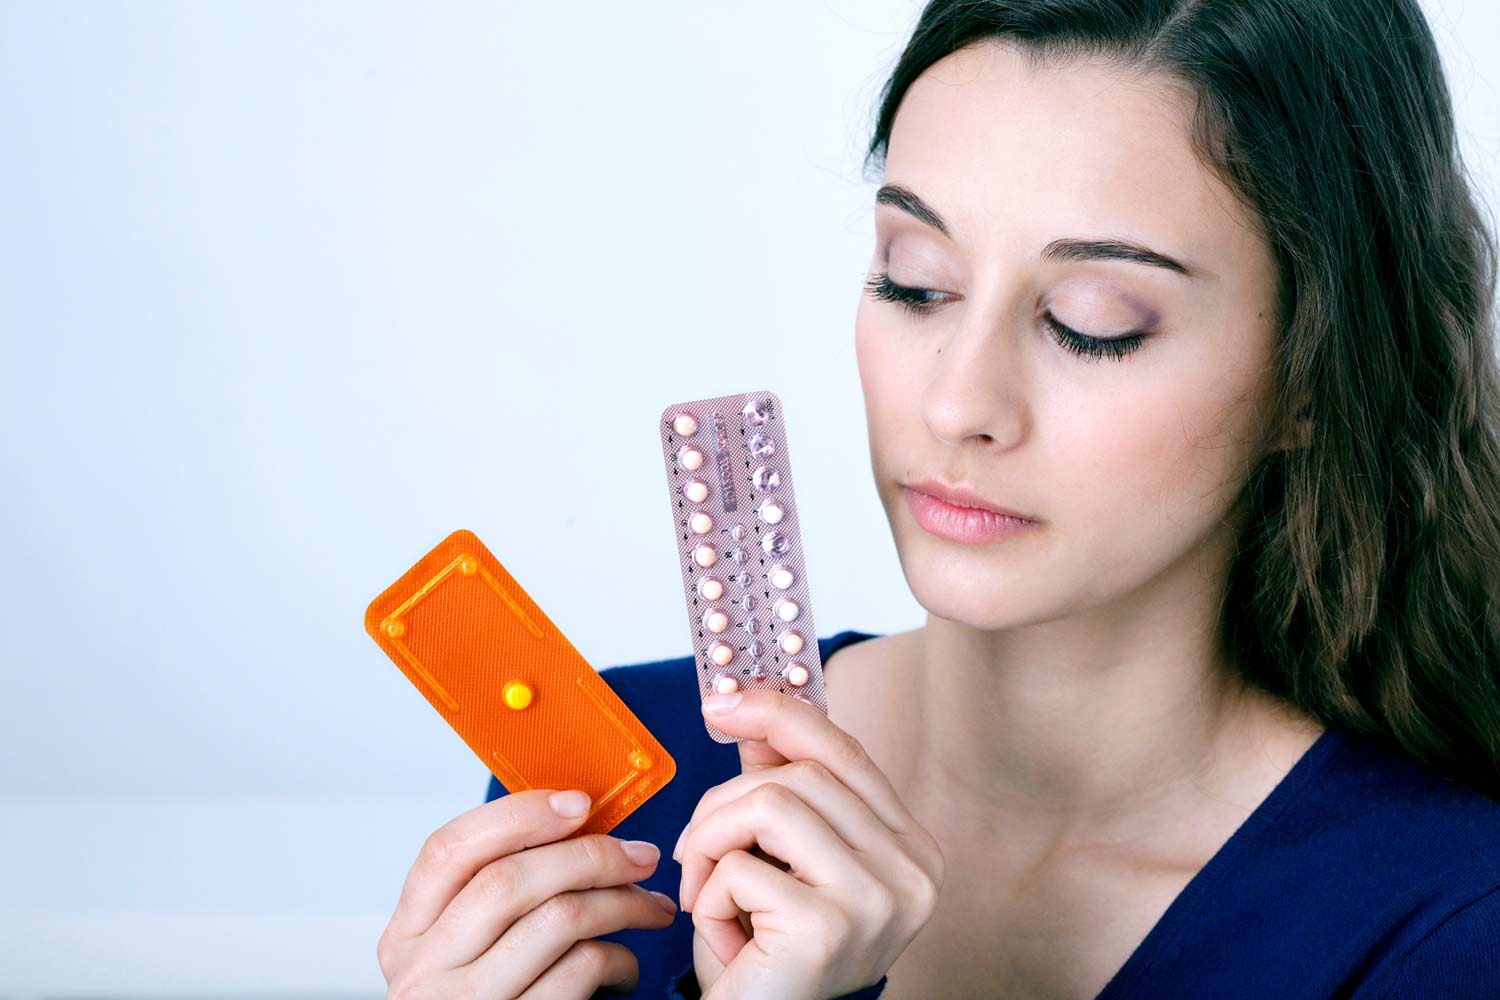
[287,294]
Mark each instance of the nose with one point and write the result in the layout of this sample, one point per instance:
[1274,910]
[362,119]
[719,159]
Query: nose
[976,386]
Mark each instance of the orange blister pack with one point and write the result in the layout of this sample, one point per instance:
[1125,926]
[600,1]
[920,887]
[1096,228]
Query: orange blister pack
[511,684]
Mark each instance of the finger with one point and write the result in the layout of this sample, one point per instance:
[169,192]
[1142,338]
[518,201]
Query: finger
[465,844]
[781,823]
[584,968]
[741,883]
[849,815]
[544,935]
[505,890]
[796,730]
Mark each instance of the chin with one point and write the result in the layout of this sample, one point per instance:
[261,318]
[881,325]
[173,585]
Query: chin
[983,587]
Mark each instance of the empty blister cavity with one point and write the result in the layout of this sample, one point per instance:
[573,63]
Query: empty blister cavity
[765,478]
[775,543]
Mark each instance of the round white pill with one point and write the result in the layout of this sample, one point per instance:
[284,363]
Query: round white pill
[710,588]
[705,556]
[796,675]
[685,425]
[787,610]
[770,512]
[721,653]
[782,578]
[701,523]
[790,642]
[715,620]
[695,490]
[689,458]
[724,684]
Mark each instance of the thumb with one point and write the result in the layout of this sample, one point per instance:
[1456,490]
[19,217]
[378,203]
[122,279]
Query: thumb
[757,755]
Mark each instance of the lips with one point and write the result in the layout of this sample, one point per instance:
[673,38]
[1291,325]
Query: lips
[962,496]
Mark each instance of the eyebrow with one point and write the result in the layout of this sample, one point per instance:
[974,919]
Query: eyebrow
[909,202]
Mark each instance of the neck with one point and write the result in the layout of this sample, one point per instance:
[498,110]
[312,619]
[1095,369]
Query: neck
[1095,721]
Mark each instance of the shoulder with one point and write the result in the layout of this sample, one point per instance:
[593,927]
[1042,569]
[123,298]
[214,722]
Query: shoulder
[1381,795]
[1458,957]
[1415,855]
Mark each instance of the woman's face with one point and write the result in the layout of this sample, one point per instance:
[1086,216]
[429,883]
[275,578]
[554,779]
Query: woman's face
[1129,464]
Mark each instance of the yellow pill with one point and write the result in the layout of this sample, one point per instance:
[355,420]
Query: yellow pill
[517,695]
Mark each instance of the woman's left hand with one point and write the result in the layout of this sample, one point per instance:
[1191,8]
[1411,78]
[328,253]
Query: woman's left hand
[858,876]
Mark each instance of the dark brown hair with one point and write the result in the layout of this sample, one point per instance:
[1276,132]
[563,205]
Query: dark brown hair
[1366,585]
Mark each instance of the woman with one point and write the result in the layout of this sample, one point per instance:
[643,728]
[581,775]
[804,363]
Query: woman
[1178,368]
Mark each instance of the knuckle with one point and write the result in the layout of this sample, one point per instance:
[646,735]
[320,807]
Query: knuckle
[813,771]
[406,988]
[497,880]
[385,954]
[848,751]
[831,927]
[440,848]
[599,852]
[561,912]
[881,901]
[773,796]
[590,956]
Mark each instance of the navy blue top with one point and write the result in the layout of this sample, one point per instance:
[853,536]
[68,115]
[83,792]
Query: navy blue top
[1362,876]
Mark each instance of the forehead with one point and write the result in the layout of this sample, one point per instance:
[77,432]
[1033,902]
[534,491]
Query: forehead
[1006,150]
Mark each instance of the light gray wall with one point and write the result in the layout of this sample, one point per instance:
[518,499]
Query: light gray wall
[289,292]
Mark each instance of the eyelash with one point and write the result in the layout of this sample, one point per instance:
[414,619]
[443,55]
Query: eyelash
[914,301]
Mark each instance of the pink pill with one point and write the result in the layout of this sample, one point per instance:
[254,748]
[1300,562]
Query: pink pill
[695,490]
[689,458]
[724,684]
[715,620]
[721,653]
[796,675]
[710,588]
[685,425]
[790,642]
[705,556]
[701,523]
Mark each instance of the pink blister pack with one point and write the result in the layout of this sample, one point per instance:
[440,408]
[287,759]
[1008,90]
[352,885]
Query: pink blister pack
[739,545]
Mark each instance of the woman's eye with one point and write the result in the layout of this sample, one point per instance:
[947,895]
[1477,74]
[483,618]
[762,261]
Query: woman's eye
[917,302]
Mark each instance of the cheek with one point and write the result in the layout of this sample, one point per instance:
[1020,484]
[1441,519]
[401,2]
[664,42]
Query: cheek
[1161,461]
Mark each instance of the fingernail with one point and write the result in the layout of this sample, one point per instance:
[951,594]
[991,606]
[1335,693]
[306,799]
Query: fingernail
[569,804]
[677,851]
[721,704]
[664,900]
[641,852]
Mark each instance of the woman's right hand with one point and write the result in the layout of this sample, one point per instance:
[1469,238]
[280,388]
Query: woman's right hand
[498,905]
